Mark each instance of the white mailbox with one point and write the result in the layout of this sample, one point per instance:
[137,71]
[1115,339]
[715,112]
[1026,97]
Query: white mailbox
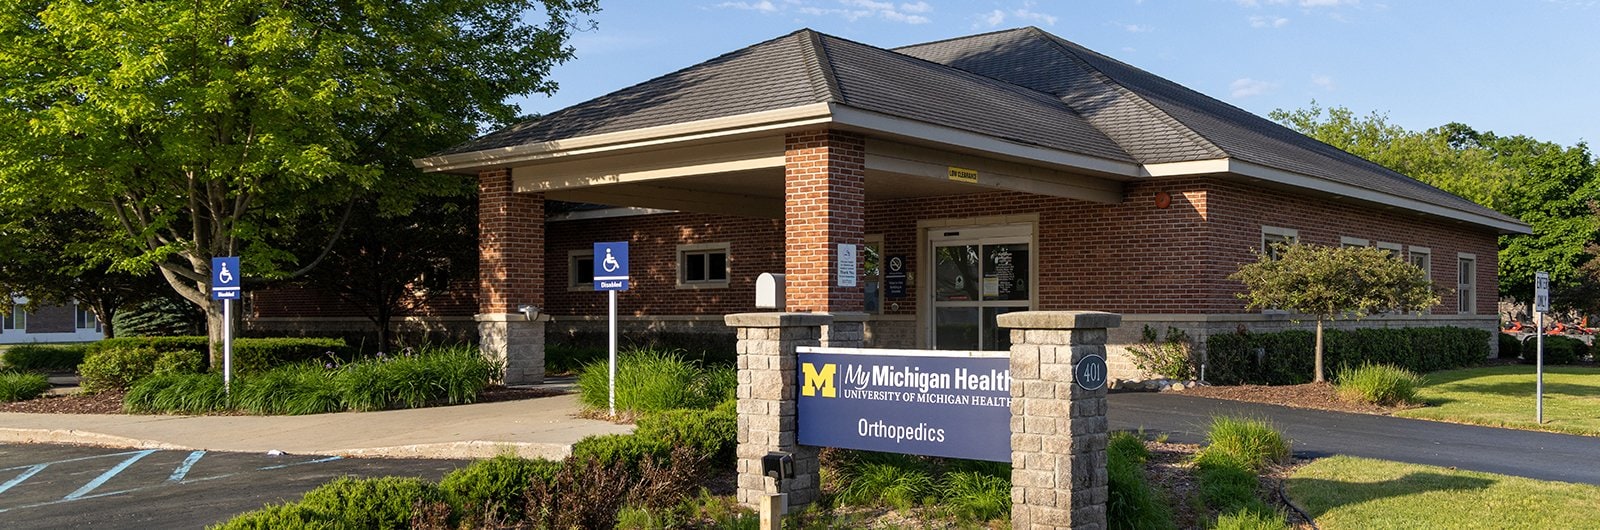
[769,291]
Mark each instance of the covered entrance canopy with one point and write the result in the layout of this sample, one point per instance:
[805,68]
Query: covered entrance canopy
[812,129]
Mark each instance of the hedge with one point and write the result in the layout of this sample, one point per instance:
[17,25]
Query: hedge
[250,355]
[43,358]
[1287,357]
[1557,350]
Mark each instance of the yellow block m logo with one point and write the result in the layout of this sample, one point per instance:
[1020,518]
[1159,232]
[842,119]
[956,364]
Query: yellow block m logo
[818,380]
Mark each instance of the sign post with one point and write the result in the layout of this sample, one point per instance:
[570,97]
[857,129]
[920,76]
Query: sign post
[1541,305]
[611,274]
[225,287]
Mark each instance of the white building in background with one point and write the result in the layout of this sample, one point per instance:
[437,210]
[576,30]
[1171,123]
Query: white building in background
[62,323]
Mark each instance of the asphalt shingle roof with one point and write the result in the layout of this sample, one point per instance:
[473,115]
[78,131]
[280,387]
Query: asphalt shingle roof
[1022,85]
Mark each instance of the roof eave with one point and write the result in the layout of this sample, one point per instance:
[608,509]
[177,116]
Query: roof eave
[1298,180]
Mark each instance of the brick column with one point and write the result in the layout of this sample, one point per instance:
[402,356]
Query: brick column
[824,172]
[510,274]
[768,384]
[1058,429]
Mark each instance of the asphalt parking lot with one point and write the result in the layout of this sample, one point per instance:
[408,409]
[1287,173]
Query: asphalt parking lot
[60,486]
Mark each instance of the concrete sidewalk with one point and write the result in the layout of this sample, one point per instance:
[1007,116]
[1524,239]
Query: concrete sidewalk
[542,428]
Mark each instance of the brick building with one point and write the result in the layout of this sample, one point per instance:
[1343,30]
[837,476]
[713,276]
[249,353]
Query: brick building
[1005,171]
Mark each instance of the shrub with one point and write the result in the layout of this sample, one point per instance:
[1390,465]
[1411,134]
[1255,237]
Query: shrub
[41,357]
[116,368]
[345,503]
[1130,501]
[256,355]
[653,380]
[1170,358]
[177,393]
[1557,350]
[178,362]
[1510,347]
[295,389]
[627,450]
[1378,384]
[588,493]
[492,490]
[18,386]
[886,483]
[159,344]
[1251,443]
[446,375]
[1285,357]
[712,433]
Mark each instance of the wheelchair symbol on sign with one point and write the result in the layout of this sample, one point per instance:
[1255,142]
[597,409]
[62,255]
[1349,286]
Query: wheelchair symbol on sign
[224,276]
[610,264]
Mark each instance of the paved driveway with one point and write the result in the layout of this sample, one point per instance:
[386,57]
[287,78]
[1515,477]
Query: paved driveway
[1539,455]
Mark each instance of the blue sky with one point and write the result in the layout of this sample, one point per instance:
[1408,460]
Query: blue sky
[1511,66]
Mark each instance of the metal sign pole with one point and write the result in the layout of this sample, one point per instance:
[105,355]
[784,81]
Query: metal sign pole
[1538,363]
[611,380]
[227,345]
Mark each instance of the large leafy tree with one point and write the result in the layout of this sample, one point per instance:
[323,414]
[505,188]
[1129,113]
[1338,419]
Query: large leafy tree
[206,128]
[1546,185]
[1331,283]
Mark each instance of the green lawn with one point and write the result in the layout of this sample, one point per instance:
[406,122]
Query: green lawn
[1502,396]
[1348,492]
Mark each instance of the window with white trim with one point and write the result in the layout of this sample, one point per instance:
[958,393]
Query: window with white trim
[1422,257]
[1466,280]
[17,320]
[83,317]
[580,270]
[1392,248]
[1271,235]
[1347,241]
[703,266]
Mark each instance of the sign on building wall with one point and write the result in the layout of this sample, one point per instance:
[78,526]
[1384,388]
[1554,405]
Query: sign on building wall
[847,265]
[949,404]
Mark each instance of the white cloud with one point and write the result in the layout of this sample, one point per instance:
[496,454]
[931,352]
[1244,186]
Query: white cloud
[1328,3]
[1257,3]
[992,18]
[1134,28]
[1246,87]
[1269,21]
[764,6]
[1324,82]
[849,10]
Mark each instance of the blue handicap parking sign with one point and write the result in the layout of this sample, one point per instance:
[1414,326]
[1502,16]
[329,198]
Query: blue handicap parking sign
[225,278]
[611,266]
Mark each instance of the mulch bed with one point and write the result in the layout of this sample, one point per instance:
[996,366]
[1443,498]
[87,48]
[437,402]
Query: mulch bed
[110,402]
[1320,396]
[1170,470]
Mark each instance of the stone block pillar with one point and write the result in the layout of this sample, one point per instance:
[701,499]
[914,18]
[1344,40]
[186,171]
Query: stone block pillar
[768,388]
[510,275]
[824,205]
[1058,429]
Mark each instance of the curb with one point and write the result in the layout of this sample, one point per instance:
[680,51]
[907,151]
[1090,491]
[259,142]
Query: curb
[475,449]
[76,437]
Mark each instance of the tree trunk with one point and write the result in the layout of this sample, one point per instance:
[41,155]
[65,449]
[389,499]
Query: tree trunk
[213,336]
[1319,377]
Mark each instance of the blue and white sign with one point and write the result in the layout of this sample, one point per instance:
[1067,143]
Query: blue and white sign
[611,266]
[921,403]
[225,278]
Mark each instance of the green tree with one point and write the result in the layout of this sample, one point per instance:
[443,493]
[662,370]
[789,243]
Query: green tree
[57,258]
[1546,185]
[1330,283]
[203,128]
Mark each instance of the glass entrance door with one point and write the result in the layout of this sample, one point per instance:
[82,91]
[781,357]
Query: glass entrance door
[977,275]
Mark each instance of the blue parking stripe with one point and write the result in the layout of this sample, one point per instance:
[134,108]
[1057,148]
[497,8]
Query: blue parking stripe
[317,461]
[98,481]
[183,469]
[78,459]
[21,477]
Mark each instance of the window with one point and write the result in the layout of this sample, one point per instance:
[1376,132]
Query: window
[1271,235]
[872,274]
[83,317]
[17,320]
[703,266]
[1423,259]
[1466,278]
[1346,241]
[580,270]
[1392,248]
